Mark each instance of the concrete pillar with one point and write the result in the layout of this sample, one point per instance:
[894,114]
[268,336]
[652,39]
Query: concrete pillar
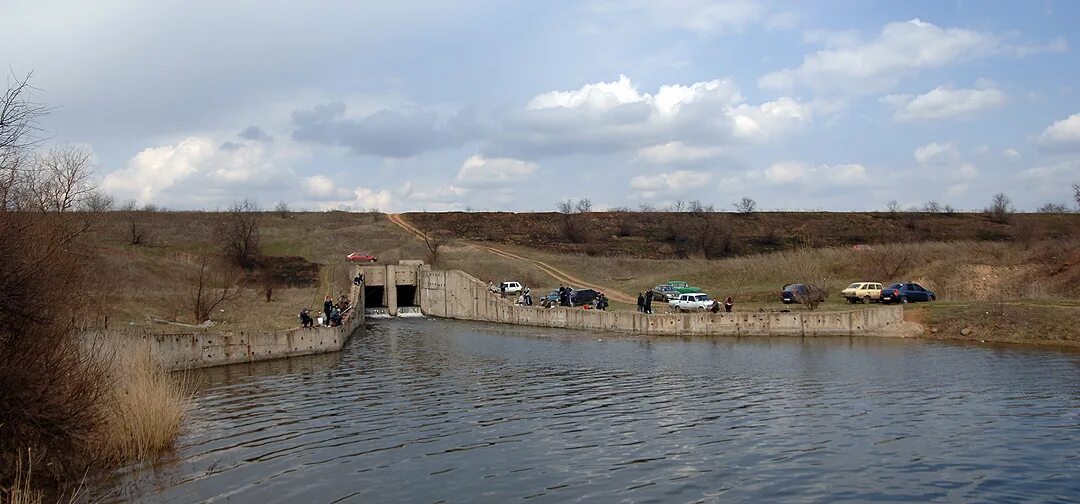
[391,290]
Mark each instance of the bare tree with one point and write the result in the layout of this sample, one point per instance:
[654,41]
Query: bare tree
[677,206]
[282,209]
[584,205]
[893,206]
[238,231]
[138,232]
[932,207]
[213,285]
[697,206]
[1053,208]
[745,205]
[1076,195]
[1000,208]
[565,206]
[434,241]
[61,179]
[98,202]
[19,135]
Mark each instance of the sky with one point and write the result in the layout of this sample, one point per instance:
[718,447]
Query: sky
[432,105]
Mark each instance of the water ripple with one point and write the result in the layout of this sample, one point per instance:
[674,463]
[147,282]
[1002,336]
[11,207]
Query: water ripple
[423,410]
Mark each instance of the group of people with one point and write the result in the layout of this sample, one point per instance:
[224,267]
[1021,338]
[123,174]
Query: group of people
[525,297]
[333,313]
[644,301]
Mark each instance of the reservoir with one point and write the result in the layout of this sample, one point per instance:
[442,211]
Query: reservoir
[428,410]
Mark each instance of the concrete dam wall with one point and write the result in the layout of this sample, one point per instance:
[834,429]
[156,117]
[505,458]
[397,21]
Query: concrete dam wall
[457,295]
[196,349]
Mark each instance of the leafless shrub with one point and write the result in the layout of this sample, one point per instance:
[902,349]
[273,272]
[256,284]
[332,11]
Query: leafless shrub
[138,232]
[212,285]
[745,205]
[238,233]
[932,207]
[50,388]
[645,207]
[893,207]
[98,202]
[565,206]
[1000,208]
[888,262]
[697,206]
[677,206]
[583,205]
[1053,208]
[1076,195]
[1024,233]
[282,209]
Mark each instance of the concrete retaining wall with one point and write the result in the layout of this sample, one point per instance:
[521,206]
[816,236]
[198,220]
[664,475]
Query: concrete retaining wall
[457,295]
[186,350]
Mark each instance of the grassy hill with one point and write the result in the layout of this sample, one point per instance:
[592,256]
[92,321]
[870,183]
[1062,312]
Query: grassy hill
[966,258]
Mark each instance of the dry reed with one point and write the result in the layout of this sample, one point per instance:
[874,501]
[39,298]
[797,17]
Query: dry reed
[144,412]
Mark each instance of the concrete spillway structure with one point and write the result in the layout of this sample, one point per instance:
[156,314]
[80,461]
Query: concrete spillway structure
[391,287]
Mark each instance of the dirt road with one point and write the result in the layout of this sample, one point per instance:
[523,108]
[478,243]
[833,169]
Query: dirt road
[550,270]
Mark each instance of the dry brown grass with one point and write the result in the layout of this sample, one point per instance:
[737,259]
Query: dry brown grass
[22,490]
[144,411]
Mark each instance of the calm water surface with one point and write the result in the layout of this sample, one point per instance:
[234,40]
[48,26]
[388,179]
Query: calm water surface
[426,411]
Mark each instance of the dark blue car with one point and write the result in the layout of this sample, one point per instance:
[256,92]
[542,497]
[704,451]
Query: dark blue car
[906,293]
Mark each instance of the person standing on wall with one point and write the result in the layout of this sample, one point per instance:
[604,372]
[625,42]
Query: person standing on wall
[327,306]
[648,302]
[640,303]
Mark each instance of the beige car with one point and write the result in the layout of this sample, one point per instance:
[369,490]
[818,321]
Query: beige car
[862,292]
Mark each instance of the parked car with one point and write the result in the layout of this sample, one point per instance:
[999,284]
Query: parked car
[691,302]
[683,287]
[665,292]
[360,257]
[862,292]
[906,293]
[577,298]
[511,287]
[807,294]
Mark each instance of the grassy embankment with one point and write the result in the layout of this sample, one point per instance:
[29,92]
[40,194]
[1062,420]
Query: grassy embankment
[150,281]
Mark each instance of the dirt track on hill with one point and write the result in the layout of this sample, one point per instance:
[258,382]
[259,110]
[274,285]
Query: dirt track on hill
[550,270]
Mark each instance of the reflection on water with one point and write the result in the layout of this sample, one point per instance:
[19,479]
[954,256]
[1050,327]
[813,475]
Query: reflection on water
[425,410]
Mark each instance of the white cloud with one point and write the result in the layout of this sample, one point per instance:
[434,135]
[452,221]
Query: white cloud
[615,116]
[789,172]
[1062,135]
[200,171]
[935,152]
[967,171]
[676,152]
[367,199]
[1011,154]
[1053,179]
[902,49]
[668,183]
[481,171]
[945,103]
[321,187]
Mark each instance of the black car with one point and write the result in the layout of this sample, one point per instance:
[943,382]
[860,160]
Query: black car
[583,297]
[906,293]
[808,294]
[577,298]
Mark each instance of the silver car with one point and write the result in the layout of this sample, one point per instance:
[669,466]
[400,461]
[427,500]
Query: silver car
[666,292]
